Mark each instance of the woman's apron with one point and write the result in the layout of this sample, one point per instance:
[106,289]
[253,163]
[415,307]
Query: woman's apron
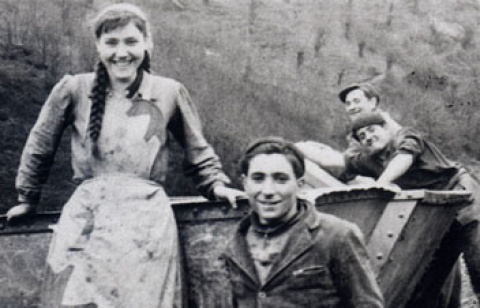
[117,238]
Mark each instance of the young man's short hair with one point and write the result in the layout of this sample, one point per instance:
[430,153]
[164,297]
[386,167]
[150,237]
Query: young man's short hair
[274,145]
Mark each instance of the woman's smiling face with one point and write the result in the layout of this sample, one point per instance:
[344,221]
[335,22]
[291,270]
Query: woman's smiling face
[122,50]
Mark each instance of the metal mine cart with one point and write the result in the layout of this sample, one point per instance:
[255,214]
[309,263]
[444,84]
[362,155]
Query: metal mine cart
[402,231]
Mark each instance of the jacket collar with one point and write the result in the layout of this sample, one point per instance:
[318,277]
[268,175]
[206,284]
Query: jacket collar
[299,242]
[237,251]
[279,228]
[312,220]
[145,91]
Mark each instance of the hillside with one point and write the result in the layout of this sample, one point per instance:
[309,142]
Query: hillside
[259,68]
[256,68]
[22,93]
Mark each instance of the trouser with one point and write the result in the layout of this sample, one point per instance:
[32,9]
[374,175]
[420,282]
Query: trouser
[468,229]
[440,287]
[439,282]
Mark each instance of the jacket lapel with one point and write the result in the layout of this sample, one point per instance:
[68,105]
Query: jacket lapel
[299,241]
[145,92]
[237,251]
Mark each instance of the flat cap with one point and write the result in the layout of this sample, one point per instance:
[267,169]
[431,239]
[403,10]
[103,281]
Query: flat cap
[369,90]
[367,119]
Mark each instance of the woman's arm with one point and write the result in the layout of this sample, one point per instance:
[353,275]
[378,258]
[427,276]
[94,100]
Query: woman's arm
[39,151]
[201,161]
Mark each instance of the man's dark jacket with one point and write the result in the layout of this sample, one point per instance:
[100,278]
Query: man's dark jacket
[323,264]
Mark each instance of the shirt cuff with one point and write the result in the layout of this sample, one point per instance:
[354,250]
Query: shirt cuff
[29,197]
[210,194]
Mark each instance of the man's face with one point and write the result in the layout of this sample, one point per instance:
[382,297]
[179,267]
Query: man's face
[357,103]
[272,188]
[375,138]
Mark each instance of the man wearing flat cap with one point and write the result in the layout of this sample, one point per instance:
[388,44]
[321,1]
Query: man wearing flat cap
[358,98]
[411,162]
[286,254]
[404,157]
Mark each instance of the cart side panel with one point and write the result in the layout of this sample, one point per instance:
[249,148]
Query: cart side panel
[413,252]
[22,264]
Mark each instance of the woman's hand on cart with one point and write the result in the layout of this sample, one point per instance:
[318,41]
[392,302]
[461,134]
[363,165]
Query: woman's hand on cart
[19,210]
[232,195]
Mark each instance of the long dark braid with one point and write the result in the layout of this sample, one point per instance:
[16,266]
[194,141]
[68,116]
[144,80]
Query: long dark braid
[98,96]
[144,66]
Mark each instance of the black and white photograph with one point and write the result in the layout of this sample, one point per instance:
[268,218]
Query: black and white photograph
[240,153]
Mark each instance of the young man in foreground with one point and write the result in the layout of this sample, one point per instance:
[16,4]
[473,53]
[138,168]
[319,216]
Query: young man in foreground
[286,254]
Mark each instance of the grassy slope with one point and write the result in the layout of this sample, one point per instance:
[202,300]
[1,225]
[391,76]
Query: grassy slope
[22,92]
[247,79]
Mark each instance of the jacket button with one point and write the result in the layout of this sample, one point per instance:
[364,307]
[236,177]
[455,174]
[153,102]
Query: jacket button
[262,295]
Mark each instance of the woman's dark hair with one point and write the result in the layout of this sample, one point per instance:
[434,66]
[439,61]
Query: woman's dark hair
[98,96]
[113,17]
[274,145]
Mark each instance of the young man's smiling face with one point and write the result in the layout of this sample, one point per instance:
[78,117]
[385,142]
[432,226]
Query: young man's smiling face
[356,103]
[272,187]
[375,138]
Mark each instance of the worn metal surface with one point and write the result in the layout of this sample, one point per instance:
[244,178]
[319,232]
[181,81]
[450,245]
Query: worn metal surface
[205,228]
[22,264]
[387,231]
[362,206]
[414,248]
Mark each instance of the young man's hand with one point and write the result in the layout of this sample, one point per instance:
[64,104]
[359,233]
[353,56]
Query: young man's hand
[397,167]
[389,186]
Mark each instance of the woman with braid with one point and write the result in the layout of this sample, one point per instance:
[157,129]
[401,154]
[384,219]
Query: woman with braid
[117,234]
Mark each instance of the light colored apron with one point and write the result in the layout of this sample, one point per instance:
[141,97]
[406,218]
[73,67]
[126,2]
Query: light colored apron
[118,235]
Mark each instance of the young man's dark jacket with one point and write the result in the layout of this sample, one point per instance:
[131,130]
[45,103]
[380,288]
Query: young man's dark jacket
[324,264]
